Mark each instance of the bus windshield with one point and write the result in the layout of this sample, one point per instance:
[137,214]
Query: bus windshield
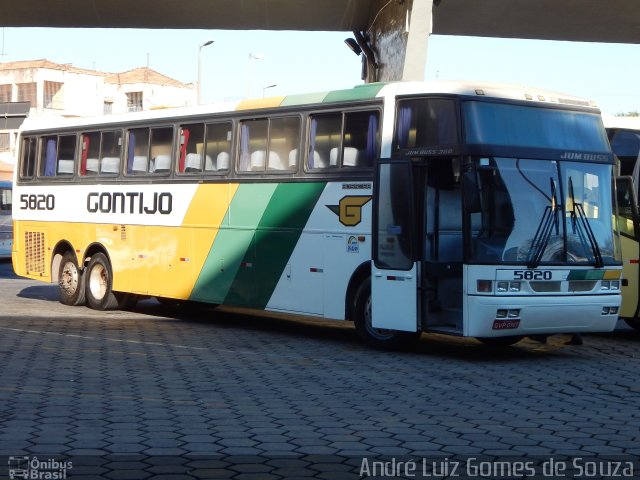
[523,126]
[537,212]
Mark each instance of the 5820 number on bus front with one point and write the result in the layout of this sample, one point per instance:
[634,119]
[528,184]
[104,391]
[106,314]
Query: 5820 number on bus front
[37,202]
[532,275]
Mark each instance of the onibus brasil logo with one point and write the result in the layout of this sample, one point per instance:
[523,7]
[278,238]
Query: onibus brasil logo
[33,468]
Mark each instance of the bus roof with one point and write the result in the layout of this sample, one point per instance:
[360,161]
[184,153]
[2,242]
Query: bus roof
[360,92]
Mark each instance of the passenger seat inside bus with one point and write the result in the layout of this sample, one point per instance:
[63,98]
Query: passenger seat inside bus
[109,165]
[162,164]
[92,166]
[65,167]
[139,164]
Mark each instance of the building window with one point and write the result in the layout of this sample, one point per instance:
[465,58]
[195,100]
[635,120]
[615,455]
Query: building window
[4,142]
[134,101]
[27,93]
[53,96]
[5,93]
[107,108]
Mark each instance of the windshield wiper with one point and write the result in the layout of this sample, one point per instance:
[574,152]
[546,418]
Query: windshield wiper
[579,219]
[547,223]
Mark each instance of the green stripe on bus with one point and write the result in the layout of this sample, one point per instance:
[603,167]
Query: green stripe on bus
[361,92]
[303,99]
[232,242]
[275,238]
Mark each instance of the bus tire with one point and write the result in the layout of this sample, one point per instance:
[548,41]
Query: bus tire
[99,281]
[376,337]
[500,341]
[633,322]
[70,281]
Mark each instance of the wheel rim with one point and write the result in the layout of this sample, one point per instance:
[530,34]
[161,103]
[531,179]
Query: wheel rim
[98,279]
[379,333]
[70,278]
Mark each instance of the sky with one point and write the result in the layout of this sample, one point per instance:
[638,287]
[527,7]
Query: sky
[298,62]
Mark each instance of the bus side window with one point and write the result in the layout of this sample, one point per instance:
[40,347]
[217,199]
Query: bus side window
[110,152]
[57,155]
[89,153]
[253,145]
[218,147]
[28,159]
[161,148]
[138,151]
[360,144]
[191,148]
[325,135]
[284,139]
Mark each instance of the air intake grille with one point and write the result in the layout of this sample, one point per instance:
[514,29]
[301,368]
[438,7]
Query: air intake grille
[34,252]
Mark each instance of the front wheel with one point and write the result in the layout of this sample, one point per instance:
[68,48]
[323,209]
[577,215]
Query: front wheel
[70,281]
[376,337]
[633,322]
[99,282]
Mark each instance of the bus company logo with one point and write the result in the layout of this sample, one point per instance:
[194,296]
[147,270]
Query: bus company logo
[349,210]
[353,245]
[32,468]
[130,202]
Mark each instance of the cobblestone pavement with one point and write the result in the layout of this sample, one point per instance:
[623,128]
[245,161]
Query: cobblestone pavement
[165,393]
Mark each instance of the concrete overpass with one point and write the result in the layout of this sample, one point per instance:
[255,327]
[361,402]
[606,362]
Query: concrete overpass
[392,34]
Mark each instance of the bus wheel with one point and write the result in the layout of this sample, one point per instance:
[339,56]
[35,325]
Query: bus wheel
[500,341]
[376,337]
[98,284]
[633,322]
[70,281]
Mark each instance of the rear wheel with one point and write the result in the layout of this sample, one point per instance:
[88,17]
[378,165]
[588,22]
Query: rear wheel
[99,283]
[376,337]
[70,281]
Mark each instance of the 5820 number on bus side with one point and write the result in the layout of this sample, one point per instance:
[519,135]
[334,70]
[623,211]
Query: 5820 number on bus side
[37,202]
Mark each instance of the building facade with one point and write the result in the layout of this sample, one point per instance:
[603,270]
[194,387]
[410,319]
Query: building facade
[62,89]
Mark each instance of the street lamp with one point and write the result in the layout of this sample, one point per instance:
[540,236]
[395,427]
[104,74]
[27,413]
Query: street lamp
[252,56]
[266,87]
[199,82]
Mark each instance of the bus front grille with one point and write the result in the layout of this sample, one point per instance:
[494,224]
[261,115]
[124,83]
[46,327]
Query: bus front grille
[34,253]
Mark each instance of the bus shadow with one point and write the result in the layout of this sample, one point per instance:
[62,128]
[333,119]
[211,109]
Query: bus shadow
[343,334]
[40,292]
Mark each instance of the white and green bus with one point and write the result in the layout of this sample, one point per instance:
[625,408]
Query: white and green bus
[624,135]
[473,210]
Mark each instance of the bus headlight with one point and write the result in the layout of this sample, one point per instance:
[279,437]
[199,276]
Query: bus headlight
[615,285]
[605,285]
[514,286]
[502,287]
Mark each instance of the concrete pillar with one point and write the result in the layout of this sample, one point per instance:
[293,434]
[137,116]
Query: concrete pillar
[399,34]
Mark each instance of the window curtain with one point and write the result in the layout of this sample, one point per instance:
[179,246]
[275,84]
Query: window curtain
[131,151]
[244,148]
[404,125]
[183,149]
[85,153]
[372,139]
[312,142]
[50,158]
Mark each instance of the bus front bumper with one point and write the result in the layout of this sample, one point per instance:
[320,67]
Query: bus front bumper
[491,316]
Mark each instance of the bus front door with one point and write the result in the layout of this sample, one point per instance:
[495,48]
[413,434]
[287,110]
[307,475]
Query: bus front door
[394,282]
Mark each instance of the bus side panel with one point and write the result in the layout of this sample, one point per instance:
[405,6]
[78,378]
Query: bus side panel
[233,241]
[32,251]
[336,240]
[170,265]
[631,253]
[277,233]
